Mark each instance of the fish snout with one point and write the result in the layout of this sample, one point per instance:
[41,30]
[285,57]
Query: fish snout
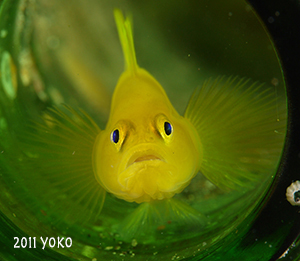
[147,137]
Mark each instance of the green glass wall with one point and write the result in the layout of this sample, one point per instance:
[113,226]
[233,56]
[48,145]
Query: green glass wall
[61,52]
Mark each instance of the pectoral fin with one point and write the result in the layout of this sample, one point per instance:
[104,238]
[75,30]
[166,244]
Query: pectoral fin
[242,127]
[59,169]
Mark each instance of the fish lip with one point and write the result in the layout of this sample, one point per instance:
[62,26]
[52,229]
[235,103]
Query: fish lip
[146,157]
[143,155]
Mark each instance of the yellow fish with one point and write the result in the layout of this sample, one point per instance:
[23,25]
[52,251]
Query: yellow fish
[147,150]
[231,132]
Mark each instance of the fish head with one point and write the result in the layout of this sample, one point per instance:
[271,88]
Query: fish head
[147,151]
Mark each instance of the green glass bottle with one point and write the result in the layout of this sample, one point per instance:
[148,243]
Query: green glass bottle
[60,63]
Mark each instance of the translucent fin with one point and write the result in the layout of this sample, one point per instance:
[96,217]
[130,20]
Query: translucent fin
[126,39]
[59,165]
[242,129]
[151,218]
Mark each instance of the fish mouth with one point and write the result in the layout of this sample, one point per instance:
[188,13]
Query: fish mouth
[146,157]
[143,157]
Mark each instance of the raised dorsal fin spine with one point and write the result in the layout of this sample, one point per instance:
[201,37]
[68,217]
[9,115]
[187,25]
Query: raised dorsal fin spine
[124,27]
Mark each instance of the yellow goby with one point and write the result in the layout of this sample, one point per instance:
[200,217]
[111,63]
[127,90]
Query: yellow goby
[147,150]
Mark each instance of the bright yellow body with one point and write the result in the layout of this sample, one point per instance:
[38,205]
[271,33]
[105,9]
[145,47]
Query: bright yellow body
[146,163]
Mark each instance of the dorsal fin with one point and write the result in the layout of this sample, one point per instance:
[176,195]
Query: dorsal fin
[126,38]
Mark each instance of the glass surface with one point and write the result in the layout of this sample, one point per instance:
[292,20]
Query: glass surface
[54,52]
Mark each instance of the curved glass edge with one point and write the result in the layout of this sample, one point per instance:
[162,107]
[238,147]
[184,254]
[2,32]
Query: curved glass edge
[279,220]
[293,252]
[8,230]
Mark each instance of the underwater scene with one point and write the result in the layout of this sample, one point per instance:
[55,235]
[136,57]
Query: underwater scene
[132,131]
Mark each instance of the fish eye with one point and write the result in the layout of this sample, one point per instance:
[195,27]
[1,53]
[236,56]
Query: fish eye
[163,127]
[168,128]
[119,133]
[115,136]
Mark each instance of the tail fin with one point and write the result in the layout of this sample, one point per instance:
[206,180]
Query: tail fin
[126,39]
[242,128]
